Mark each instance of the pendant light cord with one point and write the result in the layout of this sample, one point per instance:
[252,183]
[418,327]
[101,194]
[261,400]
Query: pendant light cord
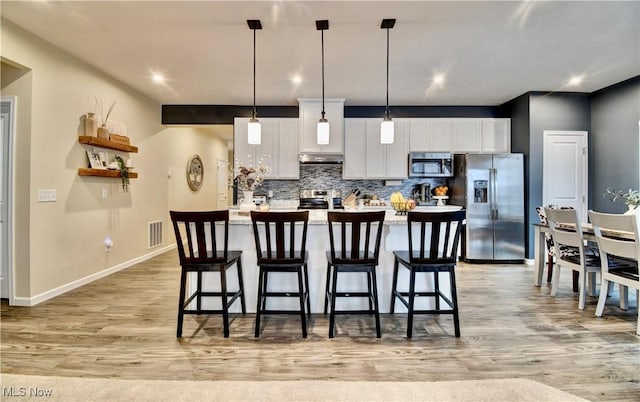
[254,74]
[322,41]
[386,112]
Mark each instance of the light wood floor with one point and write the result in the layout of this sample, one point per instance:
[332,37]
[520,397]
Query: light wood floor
[124,326]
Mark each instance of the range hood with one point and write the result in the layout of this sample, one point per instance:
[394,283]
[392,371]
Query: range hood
[321,158]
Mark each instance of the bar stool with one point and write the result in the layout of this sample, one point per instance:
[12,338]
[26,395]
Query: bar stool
[434,253]
[207,235]
[280,239]
[355,247]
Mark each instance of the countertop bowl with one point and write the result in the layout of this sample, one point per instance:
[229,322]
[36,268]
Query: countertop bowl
[402,208]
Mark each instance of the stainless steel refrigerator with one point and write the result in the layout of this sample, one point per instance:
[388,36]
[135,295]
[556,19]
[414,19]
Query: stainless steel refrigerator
[491,188]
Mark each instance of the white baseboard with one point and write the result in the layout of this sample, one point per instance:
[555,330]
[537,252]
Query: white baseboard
[50,294]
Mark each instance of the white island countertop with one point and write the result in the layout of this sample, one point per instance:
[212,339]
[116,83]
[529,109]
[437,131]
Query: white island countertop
[319,216]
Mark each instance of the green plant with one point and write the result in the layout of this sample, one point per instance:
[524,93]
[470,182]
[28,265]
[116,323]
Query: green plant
[124,173]
[631,198]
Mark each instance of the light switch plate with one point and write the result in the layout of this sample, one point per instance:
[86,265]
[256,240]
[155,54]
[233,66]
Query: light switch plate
[46,196]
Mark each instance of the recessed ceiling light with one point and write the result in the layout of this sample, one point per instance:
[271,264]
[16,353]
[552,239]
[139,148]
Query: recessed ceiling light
[575,80]
[157,78]
[296,79]
[438,79]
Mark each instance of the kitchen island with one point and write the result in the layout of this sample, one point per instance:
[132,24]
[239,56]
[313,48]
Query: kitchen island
[394,237]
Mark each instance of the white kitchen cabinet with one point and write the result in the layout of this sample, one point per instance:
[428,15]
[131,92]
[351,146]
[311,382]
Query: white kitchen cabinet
[355,131]
[467,136]
[310,112]
[366,158]
[287,155]
[430,135]
[278,148]
[496,135]
[441,135]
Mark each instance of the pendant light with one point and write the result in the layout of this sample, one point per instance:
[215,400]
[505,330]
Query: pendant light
[386,128]
[254,130]
[322,133]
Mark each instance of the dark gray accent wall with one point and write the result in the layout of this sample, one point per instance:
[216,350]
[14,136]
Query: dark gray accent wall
[532,114]
[613,163]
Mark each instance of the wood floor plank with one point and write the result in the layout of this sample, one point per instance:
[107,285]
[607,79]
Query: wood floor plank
[124,326]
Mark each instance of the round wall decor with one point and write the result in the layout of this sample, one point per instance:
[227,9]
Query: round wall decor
[195,172]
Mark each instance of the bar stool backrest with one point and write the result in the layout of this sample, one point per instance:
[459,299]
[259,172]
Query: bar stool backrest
[440,245]
[206,234]
[280,237]
[355,236]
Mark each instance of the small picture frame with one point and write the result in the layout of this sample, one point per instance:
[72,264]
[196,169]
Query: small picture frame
[94,160]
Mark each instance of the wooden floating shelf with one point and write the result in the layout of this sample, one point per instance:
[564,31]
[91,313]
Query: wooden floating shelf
[101,142]
[104,172]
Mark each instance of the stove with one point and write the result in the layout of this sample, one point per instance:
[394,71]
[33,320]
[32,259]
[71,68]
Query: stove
[319,199]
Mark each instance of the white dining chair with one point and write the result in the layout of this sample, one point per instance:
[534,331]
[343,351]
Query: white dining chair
[620,254]
[566,231]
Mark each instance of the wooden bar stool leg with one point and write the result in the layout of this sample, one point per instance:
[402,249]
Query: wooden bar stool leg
[306,287]
[241,285]
[375,302]
[454,300]
[259,307]
[412,295]
[225,304]
[394,285]
[303,315]
[436,282]
[183,283]
[327,288]
[332,313]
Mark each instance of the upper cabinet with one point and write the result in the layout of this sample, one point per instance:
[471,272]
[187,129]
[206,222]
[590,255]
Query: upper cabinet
[430,135]
[366,158]
[467,135]
[460,135]
[310,113]
[496,135]
[278,148]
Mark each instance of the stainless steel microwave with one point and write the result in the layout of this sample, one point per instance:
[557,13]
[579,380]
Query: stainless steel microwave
[430,164]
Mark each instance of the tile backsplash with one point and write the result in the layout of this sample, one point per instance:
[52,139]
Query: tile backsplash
[328,177]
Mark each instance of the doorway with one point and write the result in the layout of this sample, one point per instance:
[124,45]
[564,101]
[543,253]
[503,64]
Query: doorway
[7,132]
[564,171]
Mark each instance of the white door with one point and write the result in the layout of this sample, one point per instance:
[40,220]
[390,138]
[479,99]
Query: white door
[221,189]
[564,175]
[6,134]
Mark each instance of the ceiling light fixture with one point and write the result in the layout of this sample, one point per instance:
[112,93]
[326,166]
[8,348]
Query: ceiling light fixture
[386,128]
[157,78]
[254,131]
[575,80]
[322,133]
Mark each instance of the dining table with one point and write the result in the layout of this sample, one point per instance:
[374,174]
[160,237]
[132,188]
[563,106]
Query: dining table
[539,245]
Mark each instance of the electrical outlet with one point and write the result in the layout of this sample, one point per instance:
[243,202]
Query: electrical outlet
[105,193]
[46,196]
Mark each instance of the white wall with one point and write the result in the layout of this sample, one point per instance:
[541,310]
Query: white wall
[65,238]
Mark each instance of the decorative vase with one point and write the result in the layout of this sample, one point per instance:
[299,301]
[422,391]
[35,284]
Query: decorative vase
[90,125]
[248,197]
[103,132]
[632,210]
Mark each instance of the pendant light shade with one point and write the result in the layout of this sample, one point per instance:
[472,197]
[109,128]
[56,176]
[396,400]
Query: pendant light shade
[322,133]
[386,128]
[386,131]
[254,130]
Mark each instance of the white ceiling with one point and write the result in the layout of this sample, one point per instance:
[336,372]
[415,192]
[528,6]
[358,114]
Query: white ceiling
[490,52]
